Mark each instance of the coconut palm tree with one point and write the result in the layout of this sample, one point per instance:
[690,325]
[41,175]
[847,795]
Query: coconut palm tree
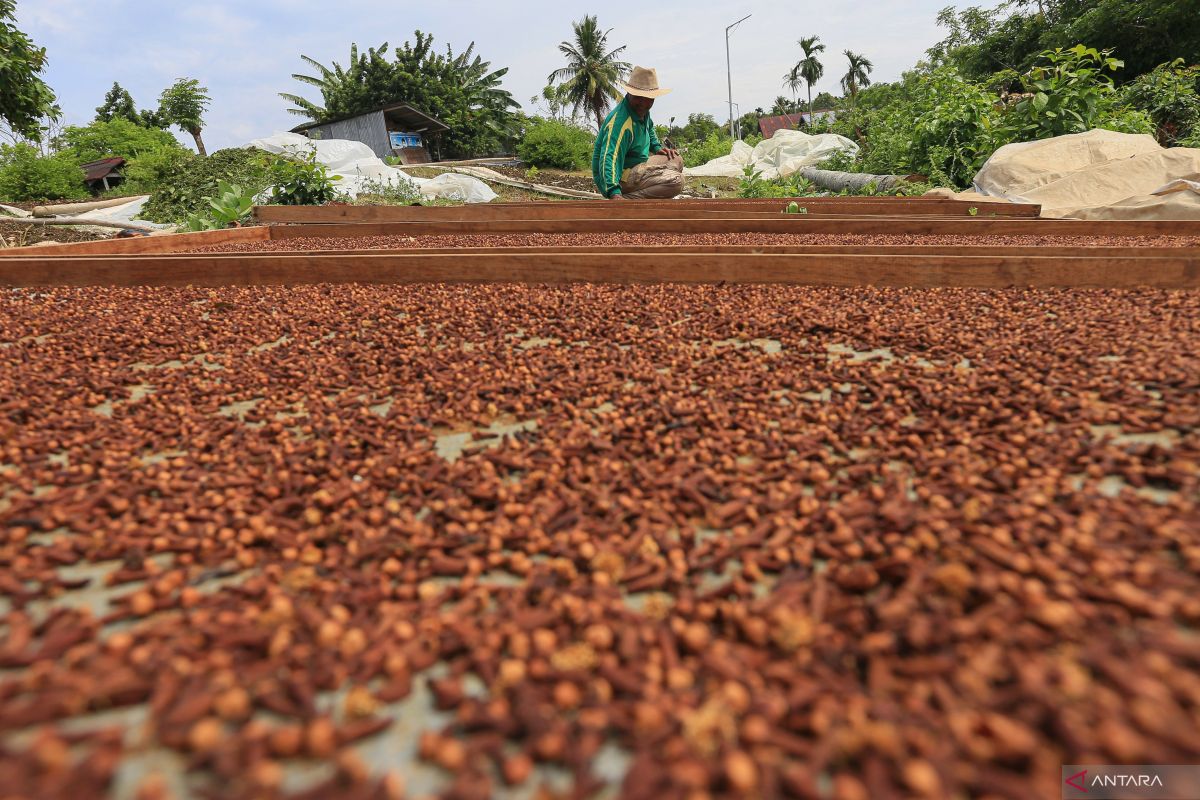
[857,76]
[592,73]
[809,68]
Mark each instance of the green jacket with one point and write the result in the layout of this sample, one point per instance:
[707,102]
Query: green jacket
[624,141]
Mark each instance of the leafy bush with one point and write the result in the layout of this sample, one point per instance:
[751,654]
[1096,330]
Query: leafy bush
[148,173]
[713,146]
[301,180]
[1170,94]
[1070,93]
[398,192]
[188,183]
[115,138]
[25,174]
[554,144]
[231,206]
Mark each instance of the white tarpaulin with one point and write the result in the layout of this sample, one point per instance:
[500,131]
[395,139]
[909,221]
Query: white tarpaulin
[777,157]
[357,164]
[1099,174]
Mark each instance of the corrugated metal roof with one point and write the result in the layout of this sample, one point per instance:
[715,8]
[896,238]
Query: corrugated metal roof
[431,124]
[98,170]
[768,125]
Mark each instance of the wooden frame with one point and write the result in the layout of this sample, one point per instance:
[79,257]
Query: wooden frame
[165,260]
[991,271]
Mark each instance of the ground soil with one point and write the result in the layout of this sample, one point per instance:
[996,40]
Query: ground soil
[580,180]
[17,235]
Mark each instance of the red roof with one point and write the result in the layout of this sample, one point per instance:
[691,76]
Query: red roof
[98,170]
[768,125]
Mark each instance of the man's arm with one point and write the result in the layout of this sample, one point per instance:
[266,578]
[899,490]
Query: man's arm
[656,147]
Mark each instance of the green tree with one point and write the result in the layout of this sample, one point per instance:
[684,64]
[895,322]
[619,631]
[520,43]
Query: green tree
[117,138]
[183,104]
[118,104]
[461,90]
[24,97]
[823,102]
[592,73]
[783,106]
[809,69]
[857,74]
[1013,35]
[699,127]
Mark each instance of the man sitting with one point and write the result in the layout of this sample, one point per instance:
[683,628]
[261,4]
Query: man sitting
[628,161]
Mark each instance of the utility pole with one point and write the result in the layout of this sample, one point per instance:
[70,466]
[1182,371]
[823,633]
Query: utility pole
[729,72]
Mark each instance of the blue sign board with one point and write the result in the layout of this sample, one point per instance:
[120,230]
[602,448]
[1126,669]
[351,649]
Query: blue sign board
[403,140]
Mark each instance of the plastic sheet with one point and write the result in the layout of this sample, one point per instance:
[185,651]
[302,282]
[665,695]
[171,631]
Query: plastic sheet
[357,165]
[778,157]
[1099,174]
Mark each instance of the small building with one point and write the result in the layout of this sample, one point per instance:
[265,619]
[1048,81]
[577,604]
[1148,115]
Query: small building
[787,122]
[396,130]
[102,175]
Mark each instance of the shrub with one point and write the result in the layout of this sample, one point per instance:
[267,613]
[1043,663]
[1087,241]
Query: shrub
[1071,93]
[25,174]
[301,180]
[230,206]
[117,137]
[148,173]
[713,146]
[398,192]
[558,145]
[1170,94]
[188,183]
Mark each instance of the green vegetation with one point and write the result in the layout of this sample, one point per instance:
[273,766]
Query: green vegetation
[591,78]
[461,90]
[116,138]
[301,181]
[187,184]
[24,97]
[118,104]
[937,122]
[25,174]
[558,145]
[183,104]
[808,69]
[400,192]
[230,206]
[1012,36]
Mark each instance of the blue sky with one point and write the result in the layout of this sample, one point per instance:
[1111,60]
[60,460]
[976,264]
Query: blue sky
[246,51]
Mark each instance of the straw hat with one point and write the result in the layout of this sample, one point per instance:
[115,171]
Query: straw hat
[644,83]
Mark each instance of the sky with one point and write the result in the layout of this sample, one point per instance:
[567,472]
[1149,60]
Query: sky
[245,51]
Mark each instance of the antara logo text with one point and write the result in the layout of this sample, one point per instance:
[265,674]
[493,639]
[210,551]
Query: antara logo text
[1119,781]
[1124,781]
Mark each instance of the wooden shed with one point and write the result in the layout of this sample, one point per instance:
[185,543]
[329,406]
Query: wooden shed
[394,130]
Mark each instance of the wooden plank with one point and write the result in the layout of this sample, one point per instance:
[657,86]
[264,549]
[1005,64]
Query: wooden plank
[627,210]
[1057,251]
[799,224]
[168,243]
[311,215]
[617,267]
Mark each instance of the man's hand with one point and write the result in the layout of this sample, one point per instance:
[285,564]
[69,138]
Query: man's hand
[616,196]
[670,153]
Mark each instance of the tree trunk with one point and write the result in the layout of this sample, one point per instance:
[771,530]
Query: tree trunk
[195,132]
[855,181]
[811,118]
